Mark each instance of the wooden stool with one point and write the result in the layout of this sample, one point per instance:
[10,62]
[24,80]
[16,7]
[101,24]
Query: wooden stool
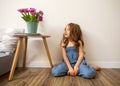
[25,36]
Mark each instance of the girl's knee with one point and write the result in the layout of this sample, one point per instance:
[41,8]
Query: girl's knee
[89,74]
[58,71]
[55,71]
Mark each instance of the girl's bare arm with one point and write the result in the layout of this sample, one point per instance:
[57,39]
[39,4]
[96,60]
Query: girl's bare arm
[81,54]
[65,57]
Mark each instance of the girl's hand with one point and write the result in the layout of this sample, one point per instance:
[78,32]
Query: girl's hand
[71,72]
[76,70]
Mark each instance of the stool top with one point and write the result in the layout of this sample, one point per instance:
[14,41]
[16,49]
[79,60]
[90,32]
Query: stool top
[30,35]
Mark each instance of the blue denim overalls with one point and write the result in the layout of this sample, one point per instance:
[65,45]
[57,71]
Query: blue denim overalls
[84,70]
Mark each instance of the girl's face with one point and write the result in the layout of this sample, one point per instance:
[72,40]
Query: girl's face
[67,32]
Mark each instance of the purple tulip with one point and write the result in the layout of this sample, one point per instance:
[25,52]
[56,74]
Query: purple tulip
[41,13]
[32,11]
[20,10]
[40,18]
[25,10]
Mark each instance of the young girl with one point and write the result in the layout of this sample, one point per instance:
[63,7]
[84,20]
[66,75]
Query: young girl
[74,62]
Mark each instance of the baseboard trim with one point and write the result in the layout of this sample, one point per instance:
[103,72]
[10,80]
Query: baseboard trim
[37,64]
[106,64]
[98,63]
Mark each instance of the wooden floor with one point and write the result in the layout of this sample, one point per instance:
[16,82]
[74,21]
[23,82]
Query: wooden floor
[43,77]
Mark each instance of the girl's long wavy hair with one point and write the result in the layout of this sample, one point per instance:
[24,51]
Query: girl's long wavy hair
[75,34]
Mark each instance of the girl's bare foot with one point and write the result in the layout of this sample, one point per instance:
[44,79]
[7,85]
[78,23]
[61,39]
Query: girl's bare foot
[97,68]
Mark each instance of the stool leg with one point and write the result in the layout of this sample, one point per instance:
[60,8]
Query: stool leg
[47,50]
[15,59]
[25,50]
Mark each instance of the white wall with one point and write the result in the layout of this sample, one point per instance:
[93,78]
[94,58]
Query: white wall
[99,20]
